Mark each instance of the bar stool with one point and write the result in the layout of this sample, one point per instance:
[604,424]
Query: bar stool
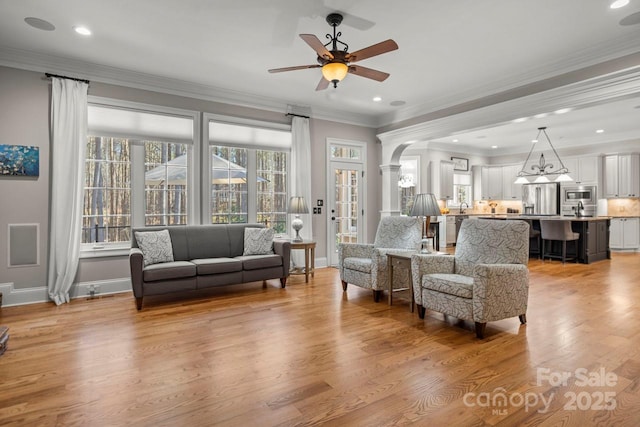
[534,236]
[558,231]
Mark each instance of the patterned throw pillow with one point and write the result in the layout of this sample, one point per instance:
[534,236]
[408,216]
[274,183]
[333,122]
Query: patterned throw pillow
[155,246]
[258,241]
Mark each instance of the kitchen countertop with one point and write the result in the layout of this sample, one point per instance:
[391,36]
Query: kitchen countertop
[545,217]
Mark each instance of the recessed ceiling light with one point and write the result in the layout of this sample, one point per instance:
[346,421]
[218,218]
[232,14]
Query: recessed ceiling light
[455,140]
[520,120]
[533,141]
[494,146]
[40,24]
[562,110]
[377,98]
[599,130]
[617,4]
[82,30]
[540,116]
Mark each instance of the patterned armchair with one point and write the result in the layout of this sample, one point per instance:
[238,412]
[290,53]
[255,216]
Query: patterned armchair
[486,280]
[365,265]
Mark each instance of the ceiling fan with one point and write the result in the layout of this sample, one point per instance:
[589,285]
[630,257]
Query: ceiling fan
[336,63]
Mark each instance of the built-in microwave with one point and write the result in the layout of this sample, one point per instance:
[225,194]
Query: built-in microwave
[584,193]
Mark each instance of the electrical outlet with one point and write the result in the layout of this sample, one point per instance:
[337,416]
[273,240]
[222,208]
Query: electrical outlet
[319,211]
[315,211]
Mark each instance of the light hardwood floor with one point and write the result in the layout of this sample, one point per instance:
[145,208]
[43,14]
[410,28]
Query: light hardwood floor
[312,355]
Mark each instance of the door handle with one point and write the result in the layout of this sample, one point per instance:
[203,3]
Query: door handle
[333,218]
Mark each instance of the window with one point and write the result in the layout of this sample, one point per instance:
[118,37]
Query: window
[166,183]
[272,189]
[137,169]
[461,190]
[107,193]
[228,185]
[249,172]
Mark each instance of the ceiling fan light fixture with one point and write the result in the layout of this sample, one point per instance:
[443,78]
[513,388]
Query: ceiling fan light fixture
[335,72]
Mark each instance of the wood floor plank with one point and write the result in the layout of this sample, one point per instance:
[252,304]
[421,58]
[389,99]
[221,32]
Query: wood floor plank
[310,354]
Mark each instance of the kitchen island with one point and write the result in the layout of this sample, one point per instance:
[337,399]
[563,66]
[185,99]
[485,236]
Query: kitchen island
[593,244]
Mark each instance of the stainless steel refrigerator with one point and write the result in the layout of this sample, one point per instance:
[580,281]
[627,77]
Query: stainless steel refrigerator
[541,199]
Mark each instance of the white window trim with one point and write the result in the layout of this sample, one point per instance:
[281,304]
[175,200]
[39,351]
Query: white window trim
[252,194]
[107,249]
[329,183]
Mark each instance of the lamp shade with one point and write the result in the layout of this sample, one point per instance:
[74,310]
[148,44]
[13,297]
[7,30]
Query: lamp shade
[297,205]
[425,204]
[335,71]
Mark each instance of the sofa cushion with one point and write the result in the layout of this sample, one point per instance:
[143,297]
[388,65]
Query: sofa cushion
[358,264]
[258,241]
[452,284]
[155,246]
[217,265]
[256,262]
[169,270]
[210,241]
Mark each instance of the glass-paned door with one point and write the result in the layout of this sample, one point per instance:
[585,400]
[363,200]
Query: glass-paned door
[345,206]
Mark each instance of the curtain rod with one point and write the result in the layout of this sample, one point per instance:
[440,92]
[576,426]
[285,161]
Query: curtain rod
[298,115]
[49,75]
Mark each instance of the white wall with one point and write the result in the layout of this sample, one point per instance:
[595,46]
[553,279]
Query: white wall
[24,120]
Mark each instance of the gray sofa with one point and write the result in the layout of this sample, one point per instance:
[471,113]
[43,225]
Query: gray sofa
[205,256]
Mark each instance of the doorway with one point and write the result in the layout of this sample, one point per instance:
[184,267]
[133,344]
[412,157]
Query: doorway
[346,195]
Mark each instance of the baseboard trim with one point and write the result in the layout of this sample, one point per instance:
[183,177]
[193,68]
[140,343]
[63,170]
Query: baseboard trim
[102,287]
[13,297]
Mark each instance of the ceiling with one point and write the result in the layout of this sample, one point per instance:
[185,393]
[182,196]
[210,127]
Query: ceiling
[450,52]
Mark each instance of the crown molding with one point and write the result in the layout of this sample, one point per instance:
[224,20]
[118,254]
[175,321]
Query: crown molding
[620,47]
[586,93]
[42,62]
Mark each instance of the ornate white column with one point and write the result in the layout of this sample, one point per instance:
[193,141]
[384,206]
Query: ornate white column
[390,193]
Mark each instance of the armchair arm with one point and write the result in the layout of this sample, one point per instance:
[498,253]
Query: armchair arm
[500,291]
[283,248]
[136,264]
[353,250]
[422,264]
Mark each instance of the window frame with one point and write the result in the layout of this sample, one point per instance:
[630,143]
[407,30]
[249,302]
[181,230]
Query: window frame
[455,202]
[137,168]
[252,190]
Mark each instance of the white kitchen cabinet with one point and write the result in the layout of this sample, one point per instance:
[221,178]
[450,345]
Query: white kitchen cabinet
[450,230]
[494,181]
[511,191]
[624,233]
[446,180]
[588,170]
[621,175]
[583,170]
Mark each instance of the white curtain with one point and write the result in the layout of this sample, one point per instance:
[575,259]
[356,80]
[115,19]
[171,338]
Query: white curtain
[68,144]
[301,177]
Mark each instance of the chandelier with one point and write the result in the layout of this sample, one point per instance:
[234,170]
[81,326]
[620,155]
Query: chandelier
[542,168]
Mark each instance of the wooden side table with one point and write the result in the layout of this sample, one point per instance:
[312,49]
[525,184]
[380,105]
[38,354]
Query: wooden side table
[400,260]
[309,247]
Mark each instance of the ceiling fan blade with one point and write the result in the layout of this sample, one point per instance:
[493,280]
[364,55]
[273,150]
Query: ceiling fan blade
[298,67]
[322,84]
[316,45]
[369,73]
[376,49]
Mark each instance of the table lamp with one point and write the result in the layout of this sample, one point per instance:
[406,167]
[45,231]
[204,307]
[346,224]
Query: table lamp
[426,206]
[297,206]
